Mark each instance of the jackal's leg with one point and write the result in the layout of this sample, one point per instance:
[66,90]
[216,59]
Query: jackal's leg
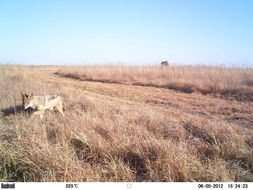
[40,112]
[59,108]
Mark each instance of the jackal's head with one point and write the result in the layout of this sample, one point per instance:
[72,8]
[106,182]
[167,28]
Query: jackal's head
[27,100]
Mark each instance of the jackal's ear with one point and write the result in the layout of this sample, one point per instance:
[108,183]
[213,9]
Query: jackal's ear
[24,94]
[31,94]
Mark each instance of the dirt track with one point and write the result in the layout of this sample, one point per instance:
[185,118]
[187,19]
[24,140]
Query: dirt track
[237,112]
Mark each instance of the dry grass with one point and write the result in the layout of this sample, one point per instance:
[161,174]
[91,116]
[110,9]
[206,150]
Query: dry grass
[108,134]
[228,82]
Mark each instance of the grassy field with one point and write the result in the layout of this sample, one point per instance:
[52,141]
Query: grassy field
[128,124]
[228,82]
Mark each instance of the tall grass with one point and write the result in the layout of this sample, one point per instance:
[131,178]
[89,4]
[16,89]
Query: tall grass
[229,82]
[103,140]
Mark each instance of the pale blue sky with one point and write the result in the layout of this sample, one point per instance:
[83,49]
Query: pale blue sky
[126,31]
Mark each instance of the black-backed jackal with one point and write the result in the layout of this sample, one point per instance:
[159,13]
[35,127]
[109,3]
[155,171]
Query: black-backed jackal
[42,102]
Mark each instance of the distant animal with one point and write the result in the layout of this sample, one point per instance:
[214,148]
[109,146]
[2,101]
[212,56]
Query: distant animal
[165,63]
[42,102]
